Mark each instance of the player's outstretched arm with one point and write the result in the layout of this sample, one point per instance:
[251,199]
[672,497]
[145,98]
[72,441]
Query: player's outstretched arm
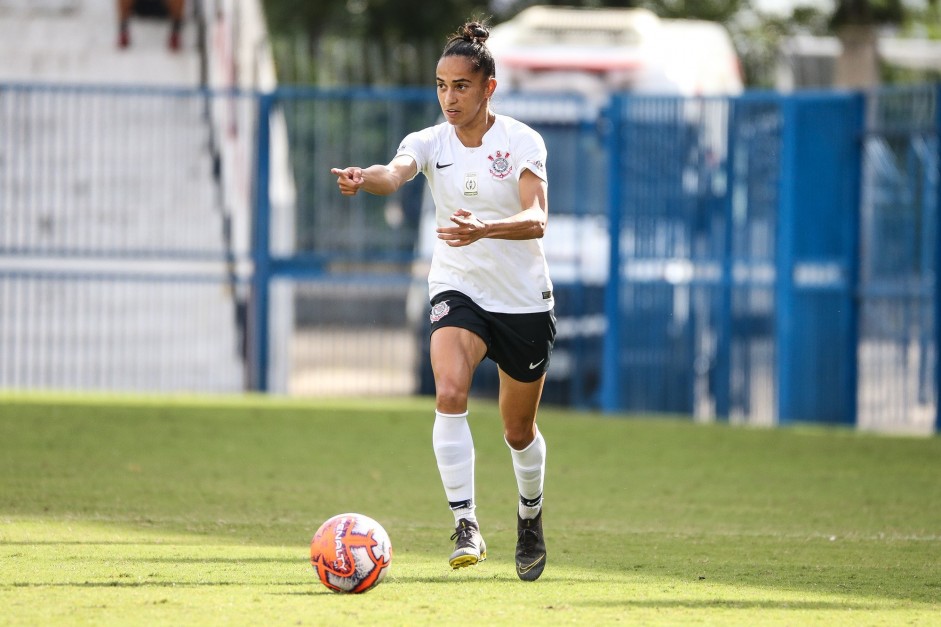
[376,179]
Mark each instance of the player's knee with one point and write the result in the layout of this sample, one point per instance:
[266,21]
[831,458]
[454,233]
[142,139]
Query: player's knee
[450,398]
[519,438]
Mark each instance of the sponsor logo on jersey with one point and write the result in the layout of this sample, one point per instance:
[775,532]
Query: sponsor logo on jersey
[539,165]
[500,167]
[470,183]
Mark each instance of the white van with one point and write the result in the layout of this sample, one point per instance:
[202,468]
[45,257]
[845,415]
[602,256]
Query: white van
[595,52]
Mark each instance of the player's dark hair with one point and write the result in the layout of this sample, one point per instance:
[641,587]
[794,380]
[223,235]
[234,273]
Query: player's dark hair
[470,41]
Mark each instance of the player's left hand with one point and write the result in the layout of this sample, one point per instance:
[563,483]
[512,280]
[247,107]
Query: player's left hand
[467,230]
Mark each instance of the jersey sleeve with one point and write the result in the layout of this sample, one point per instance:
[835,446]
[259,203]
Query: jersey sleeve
[419,146]
[532,153]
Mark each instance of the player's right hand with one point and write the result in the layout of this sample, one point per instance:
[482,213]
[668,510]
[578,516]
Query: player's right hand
[349,179]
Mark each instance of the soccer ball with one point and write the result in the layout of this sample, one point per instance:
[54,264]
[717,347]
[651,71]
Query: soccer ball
[351,553]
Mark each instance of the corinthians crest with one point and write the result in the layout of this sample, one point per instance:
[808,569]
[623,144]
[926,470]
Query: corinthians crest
[500,167]
[439,311]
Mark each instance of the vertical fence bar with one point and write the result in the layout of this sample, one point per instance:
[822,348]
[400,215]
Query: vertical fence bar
[853,259]
[723,366]
[937,269]
[258,333]
[585,129]
[611,370]
[784,263]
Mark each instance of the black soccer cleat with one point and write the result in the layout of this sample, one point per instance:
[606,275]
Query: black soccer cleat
[469,547]
[530,548]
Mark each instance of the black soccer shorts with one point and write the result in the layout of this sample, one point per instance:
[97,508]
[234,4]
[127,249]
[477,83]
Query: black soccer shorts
[521,344]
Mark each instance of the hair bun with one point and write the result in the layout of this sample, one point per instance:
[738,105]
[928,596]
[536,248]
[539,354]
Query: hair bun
[476,32]
[470,41]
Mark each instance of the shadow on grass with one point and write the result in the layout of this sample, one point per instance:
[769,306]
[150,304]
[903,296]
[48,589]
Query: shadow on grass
[222,560]
[150,584]
[731,604]
[84,543]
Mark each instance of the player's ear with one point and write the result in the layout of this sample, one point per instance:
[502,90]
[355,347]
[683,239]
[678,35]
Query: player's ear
[491,87]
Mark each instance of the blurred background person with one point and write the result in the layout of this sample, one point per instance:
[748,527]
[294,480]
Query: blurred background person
[173,9]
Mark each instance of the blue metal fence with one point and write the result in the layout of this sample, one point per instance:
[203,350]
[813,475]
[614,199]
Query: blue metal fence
[761,259]
[899,272]
[735,225]
[346,264]
[745,374]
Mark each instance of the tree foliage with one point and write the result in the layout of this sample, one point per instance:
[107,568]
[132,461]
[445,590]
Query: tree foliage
[387,20]
[712,10]
[408,32]
[383,20]
[866,12]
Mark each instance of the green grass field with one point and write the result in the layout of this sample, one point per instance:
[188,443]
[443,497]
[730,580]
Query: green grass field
[199,511]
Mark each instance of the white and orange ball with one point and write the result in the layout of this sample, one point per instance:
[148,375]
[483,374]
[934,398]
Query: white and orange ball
[351,553]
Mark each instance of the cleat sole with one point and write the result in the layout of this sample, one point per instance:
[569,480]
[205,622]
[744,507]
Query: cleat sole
[462,561]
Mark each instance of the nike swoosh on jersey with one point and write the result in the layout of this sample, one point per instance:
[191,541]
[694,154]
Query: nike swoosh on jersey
[533,366]
[440,166]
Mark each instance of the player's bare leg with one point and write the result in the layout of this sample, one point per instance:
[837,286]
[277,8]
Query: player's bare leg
[175,9]
[519,403]
[125,7]
[455,355]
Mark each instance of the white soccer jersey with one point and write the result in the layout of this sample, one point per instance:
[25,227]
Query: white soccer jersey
[505,276]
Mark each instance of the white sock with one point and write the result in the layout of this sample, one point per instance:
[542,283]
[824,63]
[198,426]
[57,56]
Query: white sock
[454,450]
[530,468]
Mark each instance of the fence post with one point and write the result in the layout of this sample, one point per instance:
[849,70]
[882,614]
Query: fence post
[723,352]
[611,370]
[937,268]
[815,307]
[587,128]
[854,263]
[784,260]
[258,331]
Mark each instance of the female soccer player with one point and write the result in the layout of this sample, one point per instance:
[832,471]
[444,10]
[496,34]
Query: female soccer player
[491,295]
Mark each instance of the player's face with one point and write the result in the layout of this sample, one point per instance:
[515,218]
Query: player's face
[463,91]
